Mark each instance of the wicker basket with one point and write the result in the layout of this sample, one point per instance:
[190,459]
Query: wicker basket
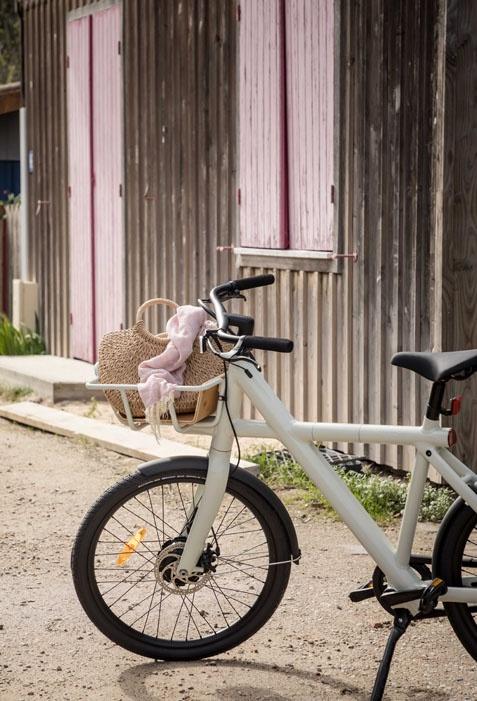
[121,352]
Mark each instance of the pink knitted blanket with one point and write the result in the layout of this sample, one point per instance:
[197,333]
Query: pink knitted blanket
[160,375]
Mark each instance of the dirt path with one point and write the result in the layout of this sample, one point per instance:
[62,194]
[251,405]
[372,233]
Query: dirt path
[317,646]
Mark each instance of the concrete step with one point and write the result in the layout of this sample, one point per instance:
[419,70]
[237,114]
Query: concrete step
[142,446]
[49,376]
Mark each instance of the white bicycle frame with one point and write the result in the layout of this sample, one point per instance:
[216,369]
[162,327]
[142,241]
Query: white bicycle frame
[430,440]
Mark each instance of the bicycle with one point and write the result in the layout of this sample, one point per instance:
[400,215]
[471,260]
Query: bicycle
[190,556]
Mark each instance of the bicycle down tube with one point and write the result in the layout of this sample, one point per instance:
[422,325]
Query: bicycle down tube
[430,440]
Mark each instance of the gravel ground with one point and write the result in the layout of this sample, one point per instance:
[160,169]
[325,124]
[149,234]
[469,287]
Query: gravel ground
[317,645]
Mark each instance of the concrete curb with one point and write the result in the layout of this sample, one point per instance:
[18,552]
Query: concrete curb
[142,446]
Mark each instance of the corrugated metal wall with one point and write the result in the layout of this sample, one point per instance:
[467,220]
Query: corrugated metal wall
[180,92]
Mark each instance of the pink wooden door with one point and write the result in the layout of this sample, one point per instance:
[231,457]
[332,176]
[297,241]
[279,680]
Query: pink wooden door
[95,172]
[262,184]
[107,170]
[82,342]
[309,79]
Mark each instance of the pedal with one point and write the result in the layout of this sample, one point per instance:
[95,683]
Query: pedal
[364,592]
[431,595]
[427,597]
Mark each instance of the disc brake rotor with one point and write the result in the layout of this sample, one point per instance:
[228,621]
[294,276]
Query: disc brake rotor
[166,572]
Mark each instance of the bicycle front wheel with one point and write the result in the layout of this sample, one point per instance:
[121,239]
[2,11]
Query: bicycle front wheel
[125,559]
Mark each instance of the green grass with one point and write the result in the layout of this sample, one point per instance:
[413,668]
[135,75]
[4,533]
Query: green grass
[92,410]
[15,341]
[382,497]
[13,394]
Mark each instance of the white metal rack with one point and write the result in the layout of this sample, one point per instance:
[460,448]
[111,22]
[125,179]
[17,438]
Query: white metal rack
[137,425]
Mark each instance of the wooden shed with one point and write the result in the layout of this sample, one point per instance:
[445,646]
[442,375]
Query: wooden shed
[177,143]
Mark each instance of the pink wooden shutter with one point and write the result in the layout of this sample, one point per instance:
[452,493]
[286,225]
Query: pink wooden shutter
[107,170]
[309,78]
[262,195]
[79,164]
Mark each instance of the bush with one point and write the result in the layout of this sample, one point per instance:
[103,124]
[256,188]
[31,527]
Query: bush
[19,341]
[382,497]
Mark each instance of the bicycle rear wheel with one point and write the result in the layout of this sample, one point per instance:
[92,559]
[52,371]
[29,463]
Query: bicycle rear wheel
[125,558]
[455,561]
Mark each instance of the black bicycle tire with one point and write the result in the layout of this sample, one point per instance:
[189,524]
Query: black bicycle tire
[447,565]
[133,641]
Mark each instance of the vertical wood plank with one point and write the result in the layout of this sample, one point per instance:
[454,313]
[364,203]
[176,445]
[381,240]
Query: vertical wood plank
[80,210]
[262,217]
[107,171]
[309,30]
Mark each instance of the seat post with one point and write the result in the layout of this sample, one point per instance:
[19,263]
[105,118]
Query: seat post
[435,401]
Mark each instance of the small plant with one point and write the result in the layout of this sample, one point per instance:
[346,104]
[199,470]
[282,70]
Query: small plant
[14,394]
[382,497]
[92,410]
[15,341]
[11,199]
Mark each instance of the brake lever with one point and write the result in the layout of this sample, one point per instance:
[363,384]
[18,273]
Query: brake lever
[203,303]
[238,295]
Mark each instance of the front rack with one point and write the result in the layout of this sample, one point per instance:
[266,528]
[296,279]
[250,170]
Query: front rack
[136,424]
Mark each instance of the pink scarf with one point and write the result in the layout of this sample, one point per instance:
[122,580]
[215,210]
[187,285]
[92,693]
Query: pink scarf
[160,375]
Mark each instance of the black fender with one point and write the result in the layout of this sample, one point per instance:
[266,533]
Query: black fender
[451,514]
[199,462]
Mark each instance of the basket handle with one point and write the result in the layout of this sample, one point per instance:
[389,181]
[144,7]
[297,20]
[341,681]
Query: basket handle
[152,302]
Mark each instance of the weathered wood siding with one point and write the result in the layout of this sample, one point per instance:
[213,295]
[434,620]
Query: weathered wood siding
[179,151]
[180,75]
[347,326]
[459,260]
[179,63]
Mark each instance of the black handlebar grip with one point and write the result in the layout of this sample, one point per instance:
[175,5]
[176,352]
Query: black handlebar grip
[248,283]
[279,345]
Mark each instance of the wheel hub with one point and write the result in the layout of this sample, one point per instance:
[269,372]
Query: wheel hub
[166,570]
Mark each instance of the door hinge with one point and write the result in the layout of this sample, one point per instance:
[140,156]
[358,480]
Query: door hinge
[119,48]
[332,194]
[69,191]
[120,189]
[67,62]
[239,12]
[239,197]
[71,318]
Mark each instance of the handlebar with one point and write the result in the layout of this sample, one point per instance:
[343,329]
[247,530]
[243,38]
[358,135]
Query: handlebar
[230,290]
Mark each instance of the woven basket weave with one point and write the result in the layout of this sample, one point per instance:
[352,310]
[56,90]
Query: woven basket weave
[121,352]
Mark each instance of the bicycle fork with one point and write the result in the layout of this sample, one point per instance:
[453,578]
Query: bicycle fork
[213,491]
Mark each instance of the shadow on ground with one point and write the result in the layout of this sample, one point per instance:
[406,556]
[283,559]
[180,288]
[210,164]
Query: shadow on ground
[133,681]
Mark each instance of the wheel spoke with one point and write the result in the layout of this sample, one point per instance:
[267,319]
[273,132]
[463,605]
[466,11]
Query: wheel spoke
[199,610]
